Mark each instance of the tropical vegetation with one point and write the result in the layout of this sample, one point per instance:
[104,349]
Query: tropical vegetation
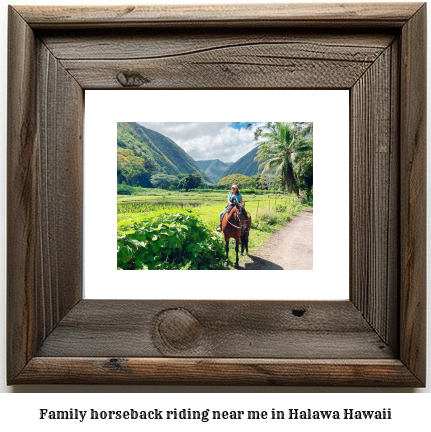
[287,148]
[168,205]
[167,239]
[282,159]
[140,216]
[240,180]
[149,152]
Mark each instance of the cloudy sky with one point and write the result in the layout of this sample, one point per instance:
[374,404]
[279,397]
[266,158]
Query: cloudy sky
[223,141]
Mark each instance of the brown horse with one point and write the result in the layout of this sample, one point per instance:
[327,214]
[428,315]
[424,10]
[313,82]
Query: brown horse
[236,223]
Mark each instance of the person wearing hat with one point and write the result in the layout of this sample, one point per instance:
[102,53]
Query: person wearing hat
[233,197]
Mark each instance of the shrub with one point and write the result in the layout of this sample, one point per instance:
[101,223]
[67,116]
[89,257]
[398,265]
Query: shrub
[308,196]
[168,240]
[242,181]
[191,181]
[269,216]
[164,181]
[132,169]
[124,189]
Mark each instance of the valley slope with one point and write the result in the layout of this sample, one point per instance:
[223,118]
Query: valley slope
[246,165]
[214,168]
[155,152]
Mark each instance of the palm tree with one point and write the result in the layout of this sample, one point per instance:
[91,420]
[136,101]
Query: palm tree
[279,146]
[303,163]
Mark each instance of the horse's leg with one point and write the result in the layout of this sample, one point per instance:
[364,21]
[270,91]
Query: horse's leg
[247,235]
[237,250]
[242,244]
[227,252]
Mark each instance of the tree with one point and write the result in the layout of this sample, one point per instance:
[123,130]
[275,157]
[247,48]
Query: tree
[131,169]
[164,181]
[280,145]
[303,163]
[241,180]
[191,181]
[259,129]
[267,181]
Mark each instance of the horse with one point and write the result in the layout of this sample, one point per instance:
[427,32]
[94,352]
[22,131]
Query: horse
[236,223]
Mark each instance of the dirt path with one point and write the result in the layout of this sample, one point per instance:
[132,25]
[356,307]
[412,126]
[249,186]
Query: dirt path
[289,248]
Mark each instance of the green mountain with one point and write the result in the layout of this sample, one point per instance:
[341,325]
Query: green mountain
[246,165]
[213,168]
[142,152]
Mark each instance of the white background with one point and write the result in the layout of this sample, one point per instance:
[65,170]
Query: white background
[329,279]
[20,410]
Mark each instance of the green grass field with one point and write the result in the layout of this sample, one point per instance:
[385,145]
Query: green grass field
[269,211]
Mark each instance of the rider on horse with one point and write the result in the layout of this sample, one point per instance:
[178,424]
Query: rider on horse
[233,197]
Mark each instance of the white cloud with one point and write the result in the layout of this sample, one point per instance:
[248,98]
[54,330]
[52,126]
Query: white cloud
[215,140]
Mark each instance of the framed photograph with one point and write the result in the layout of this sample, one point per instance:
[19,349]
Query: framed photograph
[307,243]
[375,337]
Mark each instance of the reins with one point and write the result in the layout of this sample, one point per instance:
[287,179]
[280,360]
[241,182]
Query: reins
[229,222]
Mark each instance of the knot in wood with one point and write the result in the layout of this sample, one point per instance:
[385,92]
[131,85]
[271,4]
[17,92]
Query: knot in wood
[298,312]
[178,329]
[131,79]
[115,363]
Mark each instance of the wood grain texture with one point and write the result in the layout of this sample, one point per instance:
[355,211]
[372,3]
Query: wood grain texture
[140,44]
[374,195]
[59,245]
[229,71]
[240,329]
[308,15]
[413,194]
[392,304]
[197,371]
[264,65]
[204,59]
[45,105]
[53,336]
[21,194]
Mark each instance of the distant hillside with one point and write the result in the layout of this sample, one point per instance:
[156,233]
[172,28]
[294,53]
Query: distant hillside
[246,165]
[214,168]
[156,152]
[204,164]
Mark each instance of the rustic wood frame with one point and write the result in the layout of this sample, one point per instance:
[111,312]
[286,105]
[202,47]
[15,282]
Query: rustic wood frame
[376,338]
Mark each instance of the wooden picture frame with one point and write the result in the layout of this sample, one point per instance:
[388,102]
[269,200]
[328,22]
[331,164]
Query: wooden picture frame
[376,338]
